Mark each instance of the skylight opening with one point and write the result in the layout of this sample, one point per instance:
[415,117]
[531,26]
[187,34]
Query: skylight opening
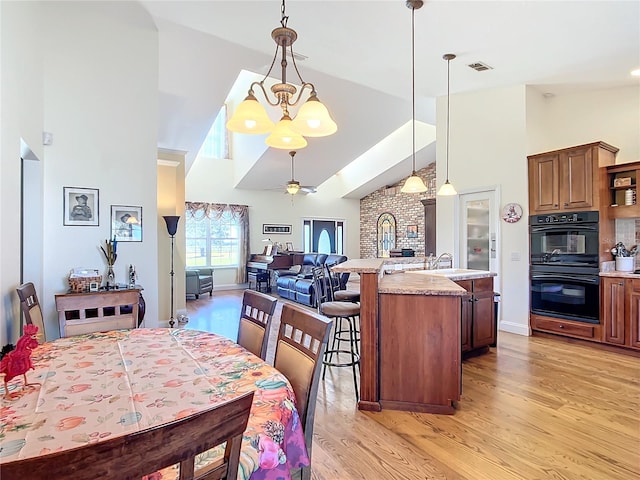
[216,143]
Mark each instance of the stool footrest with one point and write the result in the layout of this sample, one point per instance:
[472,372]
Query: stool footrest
[355,356]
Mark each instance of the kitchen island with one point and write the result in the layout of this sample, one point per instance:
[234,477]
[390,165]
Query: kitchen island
[410,333]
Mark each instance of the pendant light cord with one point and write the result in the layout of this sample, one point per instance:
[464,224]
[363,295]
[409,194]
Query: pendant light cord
[448,96]
[413,89]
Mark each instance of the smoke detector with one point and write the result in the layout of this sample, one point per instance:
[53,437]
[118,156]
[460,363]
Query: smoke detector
[480,67]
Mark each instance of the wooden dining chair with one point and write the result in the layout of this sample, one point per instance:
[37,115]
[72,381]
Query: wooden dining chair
[97,312]
[302,341]
[142,453]
[255,322]
[31,309]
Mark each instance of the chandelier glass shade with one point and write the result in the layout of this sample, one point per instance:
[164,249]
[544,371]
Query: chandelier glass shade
[283,136]
[313,118]
[250,117]
[447,190]
[414,183]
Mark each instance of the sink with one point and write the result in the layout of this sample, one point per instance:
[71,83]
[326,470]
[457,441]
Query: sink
[446,271]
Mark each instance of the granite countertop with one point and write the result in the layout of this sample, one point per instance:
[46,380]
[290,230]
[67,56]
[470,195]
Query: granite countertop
[407,283]
[456,273]
[618,274]
[375,265]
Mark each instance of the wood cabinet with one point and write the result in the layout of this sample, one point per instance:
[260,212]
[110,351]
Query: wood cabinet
[621,178]
[621,311]
[568,179]
[478,322]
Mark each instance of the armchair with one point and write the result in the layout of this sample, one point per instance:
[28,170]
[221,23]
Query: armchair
[199,281]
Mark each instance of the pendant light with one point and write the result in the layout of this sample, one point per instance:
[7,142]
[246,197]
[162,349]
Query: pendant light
[414,183]
[447,189]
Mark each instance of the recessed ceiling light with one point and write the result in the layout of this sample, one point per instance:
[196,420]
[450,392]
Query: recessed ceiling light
[636,72]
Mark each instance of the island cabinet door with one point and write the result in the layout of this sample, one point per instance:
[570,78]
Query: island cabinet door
[466,319]
[420,359]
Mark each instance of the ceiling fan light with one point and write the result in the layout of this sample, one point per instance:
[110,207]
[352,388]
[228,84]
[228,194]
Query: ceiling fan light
[250,117]
[293,187]
[313,119]
[414,184]
[447,190]
[284,137]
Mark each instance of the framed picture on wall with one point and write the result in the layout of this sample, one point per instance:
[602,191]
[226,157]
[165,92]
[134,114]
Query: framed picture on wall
[412,231]
[126,223]
[80,206]
[276,228]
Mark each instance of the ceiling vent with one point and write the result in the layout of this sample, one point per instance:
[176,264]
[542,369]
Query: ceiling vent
[480,67]
[297,56]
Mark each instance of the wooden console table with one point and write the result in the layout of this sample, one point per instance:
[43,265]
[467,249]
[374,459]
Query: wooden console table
[112,309]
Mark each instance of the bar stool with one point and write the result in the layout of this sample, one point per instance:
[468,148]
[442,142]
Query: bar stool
[337,294]
[342,313]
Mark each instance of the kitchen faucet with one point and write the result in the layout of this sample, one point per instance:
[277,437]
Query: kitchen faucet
[433,263]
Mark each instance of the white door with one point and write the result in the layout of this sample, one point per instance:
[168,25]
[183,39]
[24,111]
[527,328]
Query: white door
[478,223]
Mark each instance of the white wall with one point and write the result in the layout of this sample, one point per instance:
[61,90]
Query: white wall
[488,149]
[211,180]
[97,68]
[21,117]
[611,116]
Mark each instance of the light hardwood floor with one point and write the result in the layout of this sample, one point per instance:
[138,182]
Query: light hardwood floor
[533,408]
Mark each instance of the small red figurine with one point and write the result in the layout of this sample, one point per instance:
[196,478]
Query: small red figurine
[18,361]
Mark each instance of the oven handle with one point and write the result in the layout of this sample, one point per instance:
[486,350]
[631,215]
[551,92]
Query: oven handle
[563,277]
[558,228]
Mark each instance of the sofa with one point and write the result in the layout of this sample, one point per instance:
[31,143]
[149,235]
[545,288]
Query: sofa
[199,281]
[296,283]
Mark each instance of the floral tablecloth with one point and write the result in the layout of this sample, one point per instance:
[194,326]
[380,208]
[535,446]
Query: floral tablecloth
[98,386]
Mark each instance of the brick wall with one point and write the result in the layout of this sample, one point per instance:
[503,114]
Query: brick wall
[405,207]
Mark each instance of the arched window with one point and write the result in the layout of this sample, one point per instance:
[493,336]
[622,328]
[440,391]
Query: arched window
[386,234]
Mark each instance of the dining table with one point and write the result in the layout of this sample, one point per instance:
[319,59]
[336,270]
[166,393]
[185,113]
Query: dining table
[97,386]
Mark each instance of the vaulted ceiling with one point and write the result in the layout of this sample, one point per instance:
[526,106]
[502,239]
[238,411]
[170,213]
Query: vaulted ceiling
[358,55]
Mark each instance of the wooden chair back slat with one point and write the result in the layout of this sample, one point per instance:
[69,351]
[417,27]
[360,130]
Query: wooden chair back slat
[141,453]
[255,321]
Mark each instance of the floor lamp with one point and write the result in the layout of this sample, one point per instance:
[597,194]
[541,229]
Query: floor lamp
[172,228]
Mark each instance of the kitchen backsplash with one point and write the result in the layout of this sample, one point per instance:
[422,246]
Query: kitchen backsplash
[628,232]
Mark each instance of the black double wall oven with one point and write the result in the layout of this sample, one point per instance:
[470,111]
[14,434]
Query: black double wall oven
[564,266]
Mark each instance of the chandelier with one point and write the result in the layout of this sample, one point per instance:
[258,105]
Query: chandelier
[312,120]
[414,183]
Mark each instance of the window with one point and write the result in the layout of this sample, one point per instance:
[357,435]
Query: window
[323,236]
[216,144]
[213,242]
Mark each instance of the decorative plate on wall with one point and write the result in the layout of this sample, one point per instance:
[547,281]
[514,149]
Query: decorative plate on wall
[512,212]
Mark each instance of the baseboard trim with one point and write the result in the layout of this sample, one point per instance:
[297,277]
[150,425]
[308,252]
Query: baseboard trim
[231,286]
[517,328]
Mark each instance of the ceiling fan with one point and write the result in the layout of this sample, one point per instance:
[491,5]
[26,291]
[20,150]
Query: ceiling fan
[293,186]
